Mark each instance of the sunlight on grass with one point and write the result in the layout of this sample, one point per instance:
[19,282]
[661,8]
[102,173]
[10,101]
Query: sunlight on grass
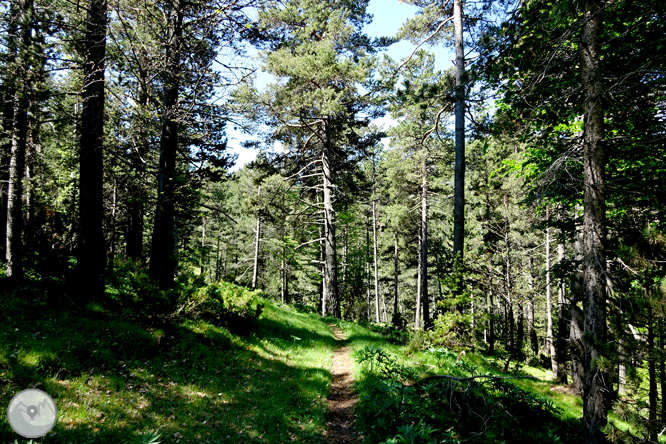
[114,379]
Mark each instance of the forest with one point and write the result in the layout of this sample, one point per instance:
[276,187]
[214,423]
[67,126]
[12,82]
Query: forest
[513,207]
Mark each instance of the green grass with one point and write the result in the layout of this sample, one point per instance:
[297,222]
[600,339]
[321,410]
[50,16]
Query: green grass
[114,378]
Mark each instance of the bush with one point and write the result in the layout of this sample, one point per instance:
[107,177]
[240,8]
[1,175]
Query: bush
[135,291]
[224,303]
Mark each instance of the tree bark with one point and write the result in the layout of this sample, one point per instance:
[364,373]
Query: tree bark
[550,343]
[594,261]
[19,140]
[9,97]
[576,346]
[91,258]
[424,244]
[560,341]
[531,330]
[374,256]
[652,394]
[459,165]
[491,322]
[330,290]
[163,262]
[135,208]
[396,273]
[255,271]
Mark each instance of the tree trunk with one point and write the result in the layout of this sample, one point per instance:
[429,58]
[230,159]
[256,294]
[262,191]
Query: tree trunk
[257,238]
[163,262]
[576,346]
[594,261]
[396,273]
[419,285]
[662,370]
[531,330]
[14,245]
[560,341]
[91,256]
[491,322]
[652,394]
[9,97]
[550,343]
[374,256]
[520,329]
[135,208]
[19,141]
[330,290]
[459,166]
[424,244]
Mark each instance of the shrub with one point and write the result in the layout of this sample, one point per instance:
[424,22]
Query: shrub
[223,303]
[135,291]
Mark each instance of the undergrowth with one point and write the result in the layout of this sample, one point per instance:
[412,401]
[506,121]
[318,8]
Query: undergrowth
[401,404]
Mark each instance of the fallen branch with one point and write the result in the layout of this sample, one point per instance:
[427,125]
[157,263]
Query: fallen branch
[470,378]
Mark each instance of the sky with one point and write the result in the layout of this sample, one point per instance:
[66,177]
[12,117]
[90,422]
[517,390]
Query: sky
[388,16]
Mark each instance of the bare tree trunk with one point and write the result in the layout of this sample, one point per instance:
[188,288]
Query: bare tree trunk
[419,285]
[491,322]
[652,394]
[576,346]
[14,246]
[531,330]
[459,166]
[256,245]
[560,341]
[330,290]
[396,272]
[550,343]
[19,140]
[374,256]
[520,329]
[595,404]
[9,97]
[662,370]
[163,261]
[91,242]
[135,209]
[424,244]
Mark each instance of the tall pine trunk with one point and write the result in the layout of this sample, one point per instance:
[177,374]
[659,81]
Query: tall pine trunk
[163,261]
[576,346]
[255,271]
[594,261]
[459,165]
[330,282]
[424,244]
[560,340]
[374,258]
[396,273]
[135,209]
[8,97]
[19,141]
[531,330]
[550,342]
[91,258]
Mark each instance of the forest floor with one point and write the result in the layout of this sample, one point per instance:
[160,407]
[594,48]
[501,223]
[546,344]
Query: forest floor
[118,376]
[342,399]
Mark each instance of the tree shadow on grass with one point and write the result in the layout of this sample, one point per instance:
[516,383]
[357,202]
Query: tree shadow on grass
[113,379]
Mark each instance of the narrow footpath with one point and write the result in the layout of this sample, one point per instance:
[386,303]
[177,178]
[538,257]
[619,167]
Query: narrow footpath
[342,398]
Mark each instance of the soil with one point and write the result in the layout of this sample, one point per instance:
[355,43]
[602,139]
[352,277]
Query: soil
[342,399]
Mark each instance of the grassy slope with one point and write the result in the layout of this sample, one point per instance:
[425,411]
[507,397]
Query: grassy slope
[113,378]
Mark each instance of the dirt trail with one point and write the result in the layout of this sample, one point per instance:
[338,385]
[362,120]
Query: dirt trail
[342,399]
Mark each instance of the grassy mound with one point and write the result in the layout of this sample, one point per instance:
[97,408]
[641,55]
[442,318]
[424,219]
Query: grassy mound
[116,377]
